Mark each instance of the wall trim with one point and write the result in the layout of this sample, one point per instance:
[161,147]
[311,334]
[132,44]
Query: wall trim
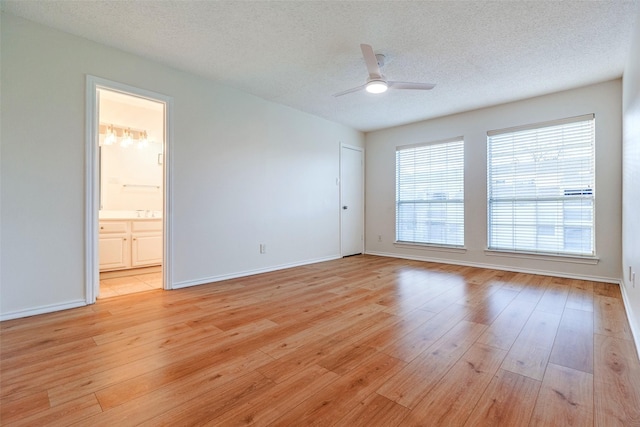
[431,247]
[42,310]
[635,329]
[219,278]
[497,267]
[592,260]
[92,181]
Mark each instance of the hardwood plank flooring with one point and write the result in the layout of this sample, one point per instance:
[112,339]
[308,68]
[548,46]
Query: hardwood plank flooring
[507,401]
[360,341]
[530,352]
[565,398]
[616,381]
[451,401]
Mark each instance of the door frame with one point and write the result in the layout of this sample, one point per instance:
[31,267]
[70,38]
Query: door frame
[92,181]
[361,150]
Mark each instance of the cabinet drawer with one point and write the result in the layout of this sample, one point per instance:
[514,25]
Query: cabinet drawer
[113,227]
[146,226]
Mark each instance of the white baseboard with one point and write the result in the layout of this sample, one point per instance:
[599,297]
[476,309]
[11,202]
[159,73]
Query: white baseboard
[497,267]
[211,279]
[42,310]
[635,329]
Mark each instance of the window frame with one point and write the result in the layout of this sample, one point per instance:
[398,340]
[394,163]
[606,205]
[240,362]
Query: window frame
[431,243]
[569,195]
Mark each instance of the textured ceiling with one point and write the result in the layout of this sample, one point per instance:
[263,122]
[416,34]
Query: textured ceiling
[299,53]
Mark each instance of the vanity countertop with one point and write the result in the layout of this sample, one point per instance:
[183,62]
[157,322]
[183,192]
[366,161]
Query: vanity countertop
[130,215]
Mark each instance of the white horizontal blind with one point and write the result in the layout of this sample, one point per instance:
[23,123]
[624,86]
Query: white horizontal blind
[541,188]
[430,193]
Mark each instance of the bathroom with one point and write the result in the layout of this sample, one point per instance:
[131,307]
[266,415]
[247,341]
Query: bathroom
[131,157]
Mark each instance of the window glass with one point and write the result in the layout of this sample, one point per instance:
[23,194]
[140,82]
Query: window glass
[430,193]
[541,188]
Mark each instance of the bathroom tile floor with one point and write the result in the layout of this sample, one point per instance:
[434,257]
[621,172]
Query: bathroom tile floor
[110,287]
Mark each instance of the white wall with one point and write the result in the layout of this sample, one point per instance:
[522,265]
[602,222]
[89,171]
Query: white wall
[602,99]
[246,171]
[631,184]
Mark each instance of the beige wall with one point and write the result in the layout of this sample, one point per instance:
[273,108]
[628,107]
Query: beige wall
[245,171]
[602,99]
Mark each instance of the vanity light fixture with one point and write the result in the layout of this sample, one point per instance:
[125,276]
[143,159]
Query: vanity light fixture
[125,135]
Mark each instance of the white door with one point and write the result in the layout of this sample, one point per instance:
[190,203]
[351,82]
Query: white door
[351,200]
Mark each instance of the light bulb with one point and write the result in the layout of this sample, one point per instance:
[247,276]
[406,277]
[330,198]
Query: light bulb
[110,139]
[376,86]
[143,142]
[126,139]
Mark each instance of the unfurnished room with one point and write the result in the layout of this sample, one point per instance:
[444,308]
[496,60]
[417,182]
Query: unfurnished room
[331,213]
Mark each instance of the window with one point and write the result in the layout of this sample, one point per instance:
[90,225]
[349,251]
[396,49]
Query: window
[430,193]
[541,187]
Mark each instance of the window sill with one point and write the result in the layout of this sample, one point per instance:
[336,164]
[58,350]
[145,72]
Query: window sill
[437,248]
[546,257]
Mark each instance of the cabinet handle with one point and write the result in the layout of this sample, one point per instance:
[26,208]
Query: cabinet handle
[101,228]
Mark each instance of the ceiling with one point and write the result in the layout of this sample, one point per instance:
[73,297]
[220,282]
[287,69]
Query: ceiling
[299,53]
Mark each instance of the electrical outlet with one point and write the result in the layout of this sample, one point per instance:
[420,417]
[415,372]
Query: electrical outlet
[379,238]
[630,272]
[263,248]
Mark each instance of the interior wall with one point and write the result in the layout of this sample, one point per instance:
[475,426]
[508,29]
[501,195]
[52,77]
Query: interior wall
[602,99]
[245,171]
[131,177]
[631,184]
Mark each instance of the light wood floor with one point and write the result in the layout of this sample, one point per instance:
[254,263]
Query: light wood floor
[362,341]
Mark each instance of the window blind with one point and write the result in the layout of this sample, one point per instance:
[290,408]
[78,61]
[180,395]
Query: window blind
[541,187]
[430,193]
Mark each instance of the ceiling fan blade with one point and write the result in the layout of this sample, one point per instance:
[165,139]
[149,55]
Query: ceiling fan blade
[344,92]
[409,85]
[371,61]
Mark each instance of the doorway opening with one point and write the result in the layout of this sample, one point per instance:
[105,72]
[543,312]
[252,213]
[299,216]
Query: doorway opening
[131,151]
[128,197]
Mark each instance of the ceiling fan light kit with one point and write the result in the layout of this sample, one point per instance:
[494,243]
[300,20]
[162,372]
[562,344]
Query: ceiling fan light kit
[376,86]
[376,83]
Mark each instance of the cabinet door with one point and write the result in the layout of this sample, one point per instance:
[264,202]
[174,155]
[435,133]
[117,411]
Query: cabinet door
[146,249]
[114,252]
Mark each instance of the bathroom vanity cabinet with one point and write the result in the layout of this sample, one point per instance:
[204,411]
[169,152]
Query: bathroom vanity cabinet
[130,243]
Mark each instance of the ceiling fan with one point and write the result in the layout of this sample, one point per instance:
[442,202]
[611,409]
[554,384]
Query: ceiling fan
[377,83]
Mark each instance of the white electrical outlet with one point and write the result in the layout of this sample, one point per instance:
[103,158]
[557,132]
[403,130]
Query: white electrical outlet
[379,238]
[263,248]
